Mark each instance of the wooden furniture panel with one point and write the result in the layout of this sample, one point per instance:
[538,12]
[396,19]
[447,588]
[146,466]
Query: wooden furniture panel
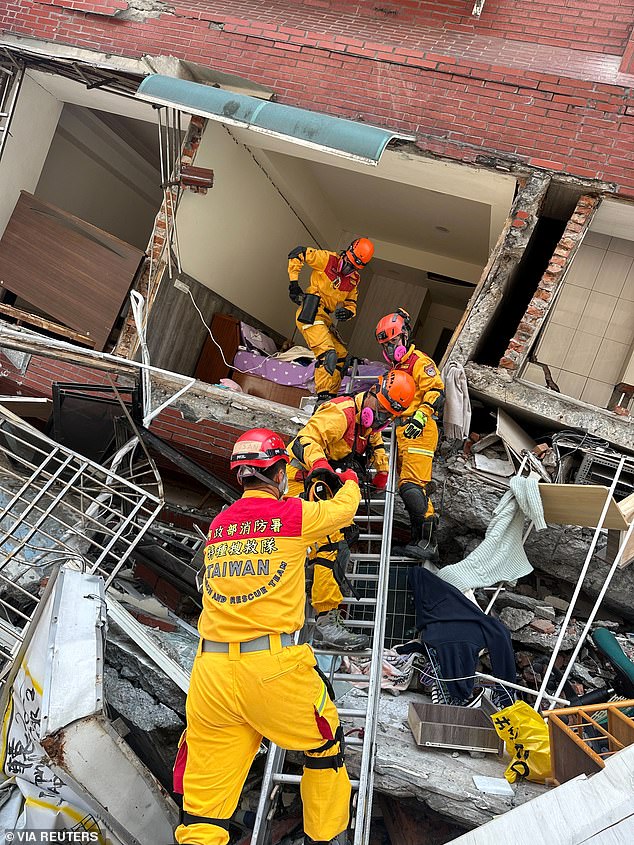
[67,268]
[265,389]
[210,367]
[580,504]
[448,726]
[572,745]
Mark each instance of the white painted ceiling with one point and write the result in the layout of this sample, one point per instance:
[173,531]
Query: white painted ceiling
[452,294]
[405,214]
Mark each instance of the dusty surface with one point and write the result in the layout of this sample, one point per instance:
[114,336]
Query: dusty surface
[440,779]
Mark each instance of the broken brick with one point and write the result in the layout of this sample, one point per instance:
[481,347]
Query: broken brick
[544,626]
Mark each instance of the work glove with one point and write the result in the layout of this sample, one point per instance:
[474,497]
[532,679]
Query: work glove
[296,294]
[379,481]
[415,426]
[341,313]
[322,463]
[349,475]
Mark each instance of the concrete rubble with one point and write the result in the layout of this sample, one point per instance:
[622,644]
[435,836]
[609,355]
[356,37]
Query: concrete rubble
[146,704]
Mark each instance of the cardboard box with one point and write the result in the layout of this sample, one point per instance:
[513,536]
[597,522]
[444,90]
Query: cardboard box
[458,728]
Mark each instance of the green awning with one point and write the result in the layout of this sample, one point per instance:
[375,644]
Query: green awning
[299,126]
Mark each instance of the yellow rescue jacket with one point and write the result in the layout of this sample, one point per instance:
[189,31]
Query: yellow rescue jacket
[254,562]
[332,289]
[429,385]
[334,431]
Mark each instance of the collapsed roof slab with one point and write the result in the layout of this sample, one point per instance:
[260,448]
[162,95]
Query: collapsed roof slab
[500,388]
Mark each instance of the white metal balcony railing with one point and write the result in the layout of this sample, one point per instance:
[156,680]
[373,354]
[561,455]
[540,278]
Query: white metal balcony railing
[57,506]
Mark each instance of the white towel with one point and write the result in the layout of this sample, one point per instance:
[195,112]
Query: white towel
[457,410]
[501,556]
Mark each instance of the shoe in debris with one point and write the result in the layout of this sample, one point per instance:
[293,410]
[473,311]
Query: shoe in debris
[331,632]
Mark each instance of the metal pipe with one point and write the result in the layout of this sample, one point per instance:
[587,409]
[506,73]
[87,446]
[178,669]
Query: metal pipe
[595,609]
[163,185]
[577,590]
[519,687]
[15,90]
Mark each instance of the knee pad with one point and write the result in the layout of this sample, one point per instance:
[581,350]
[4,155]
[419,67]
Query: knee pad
[415,499]
[327,360]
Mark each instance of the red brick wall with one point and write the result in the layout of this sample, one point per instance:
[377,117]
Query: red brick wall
[206,442]
[536,82]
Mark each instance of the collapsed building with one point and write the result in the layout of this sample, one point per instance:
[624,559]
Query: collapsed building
[156,166]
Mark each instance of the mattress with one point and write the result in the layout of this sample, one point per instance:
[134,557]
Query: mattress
[281,372]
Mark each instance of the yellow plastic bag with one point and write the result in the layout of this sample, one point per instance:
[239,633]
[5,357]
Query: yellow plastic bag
[525,734]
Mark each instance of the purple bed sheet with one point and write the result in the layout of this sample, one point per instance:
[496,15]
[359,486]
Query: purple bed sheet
[296,375]
[281,372]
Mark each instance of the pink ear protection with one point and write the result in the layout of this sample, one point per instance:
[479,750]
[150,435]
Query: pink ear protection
[367,417]
[399,353]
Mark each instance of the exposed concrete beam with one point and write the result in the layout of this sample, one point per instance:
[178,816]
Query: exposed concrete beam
[201,401]
[502,263]
[500,388]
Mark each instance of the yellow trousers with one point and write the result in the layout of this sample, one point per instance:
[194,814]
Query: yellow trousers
[325,593]
[234,700]
[320,338]
[415,457]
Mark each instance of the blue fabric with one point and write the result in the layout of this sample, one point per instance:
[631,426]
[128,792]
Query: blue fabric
[458,630]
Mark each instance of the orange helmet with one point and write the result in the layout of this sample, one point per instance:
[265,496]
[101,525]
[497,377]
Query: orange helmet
[258,447]
[392,326]
[360,252]
[396,392]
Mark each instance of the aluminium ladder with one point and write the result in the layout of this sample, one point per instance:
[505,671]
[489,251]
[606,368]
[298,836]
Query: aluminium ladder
[362,789]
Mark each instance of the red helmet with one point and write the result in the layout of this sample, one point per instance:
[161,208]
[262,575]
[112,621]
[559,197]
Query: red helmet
[396,392]
[392,326]
[360,252]
[258,447]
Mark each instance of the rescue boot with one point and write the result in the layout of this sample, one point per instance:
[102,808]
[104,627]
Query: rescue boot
[416,501]
[331,632]
[426,548]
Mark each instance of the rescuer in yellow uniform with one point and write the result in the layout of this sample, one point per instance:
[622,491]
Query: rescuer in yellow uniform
[417,437]
[343,432]
[333,290]
[249,679]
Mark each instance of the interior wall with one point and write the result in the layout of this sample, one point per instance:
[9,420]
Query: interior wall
[589,335]
[94,174]
[438,317]
[236,238]
[32,128]
[383,294]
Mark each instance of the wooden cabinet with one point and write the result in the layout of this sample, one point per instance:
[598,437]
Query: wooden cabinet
[210,367]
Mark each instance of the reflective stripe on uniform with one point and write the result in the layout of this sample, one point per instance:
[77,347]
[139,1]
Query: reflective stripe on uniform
[316,323]
[414,451]
[322,702]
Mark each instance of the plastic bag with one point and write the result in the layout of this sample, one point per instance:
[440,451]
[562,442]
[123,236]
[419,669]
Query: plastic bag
[525,734]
